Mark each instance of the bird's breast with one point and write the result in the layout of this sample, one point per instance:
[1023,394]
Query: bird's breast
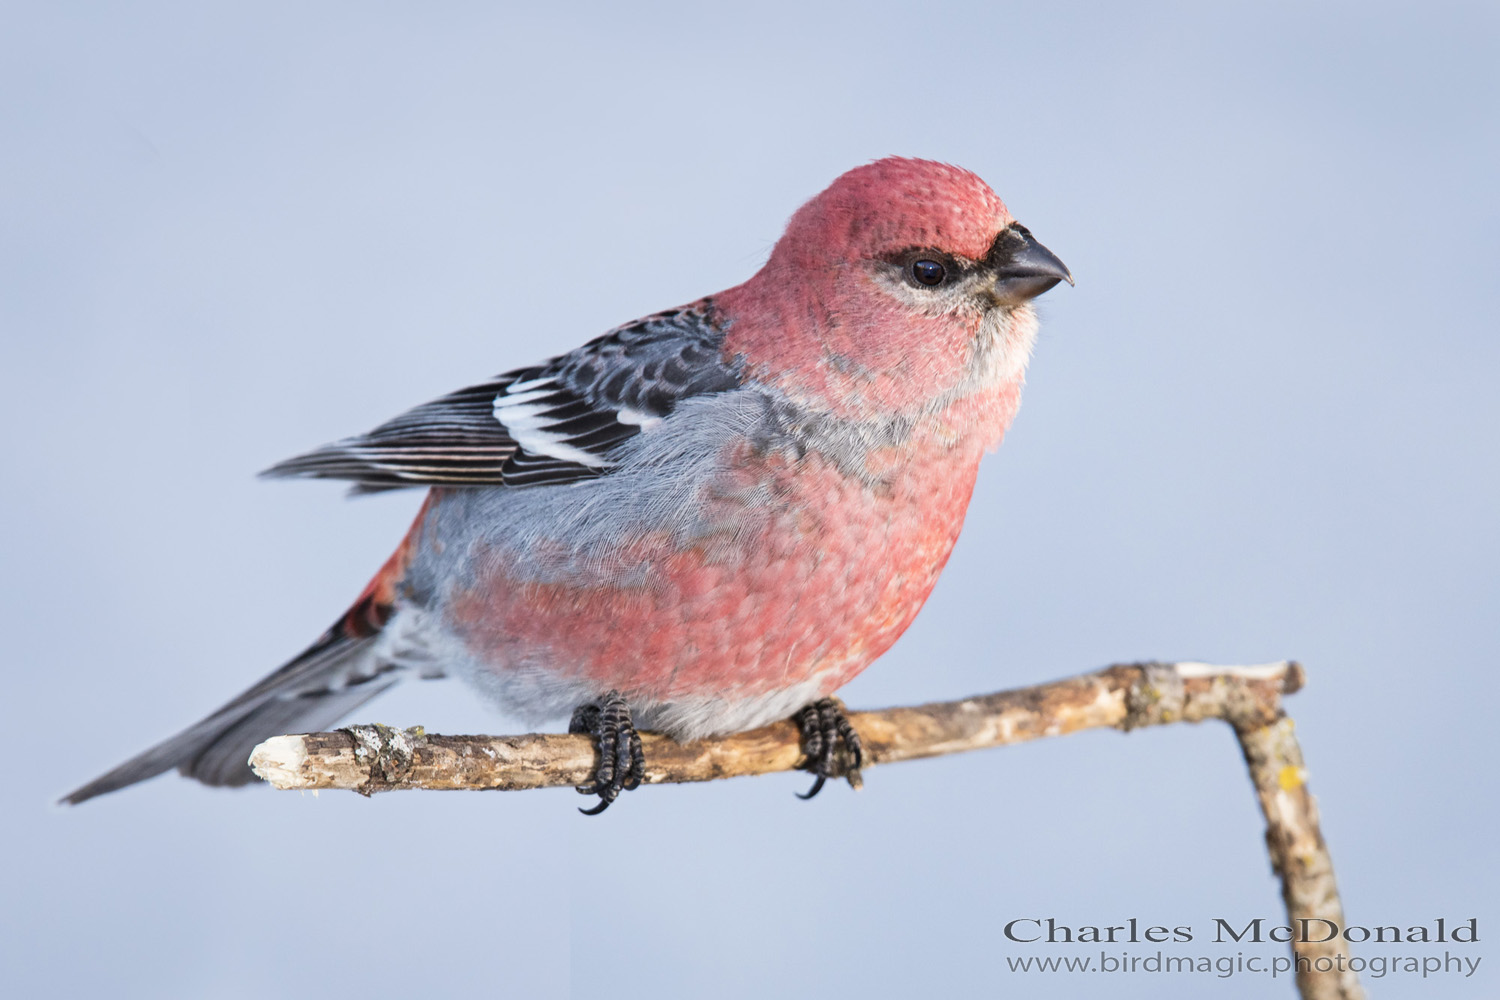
[786,569]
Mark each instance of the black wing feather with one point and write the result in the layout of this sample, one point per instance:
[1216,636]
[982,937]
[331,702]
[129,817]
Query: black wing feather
[566,417]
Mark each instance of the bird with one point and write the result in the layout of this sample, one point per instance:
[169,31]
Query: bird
[700,522]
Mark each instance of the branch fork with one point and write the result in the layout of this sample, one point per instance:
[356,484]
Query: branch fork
[375,758]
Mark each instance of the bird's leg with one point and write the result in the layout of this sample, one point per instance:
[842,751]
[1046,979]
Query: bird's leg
[622,764]
[824,726]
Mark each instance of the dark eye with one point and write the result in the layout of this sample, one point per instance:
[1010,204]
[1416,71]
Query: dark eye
[928,272]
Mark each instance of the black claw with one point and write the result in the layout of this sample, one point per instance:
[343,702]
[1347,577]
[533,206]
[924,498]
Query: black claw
[814,790]
[824,727]
[622,763]
[603,805]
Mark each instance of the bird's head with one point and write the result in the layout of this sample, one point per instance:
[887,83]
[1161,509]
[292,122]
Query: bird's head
[901,282]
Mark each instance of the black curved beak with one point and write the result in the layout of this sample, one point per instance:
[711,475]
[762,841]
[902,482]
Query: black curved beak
[1023,267]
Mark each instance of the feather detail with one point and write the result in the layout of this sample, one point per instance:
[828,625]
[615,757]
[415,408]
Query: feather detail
[559,422]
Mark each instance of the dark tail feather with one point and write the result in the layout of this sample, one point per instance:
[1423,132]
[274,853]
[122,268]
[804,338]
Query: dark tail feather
[330,679]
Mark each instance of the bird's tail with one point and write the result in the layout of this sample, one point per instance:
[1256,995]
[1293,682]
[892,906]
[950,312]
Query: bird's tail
[332,677]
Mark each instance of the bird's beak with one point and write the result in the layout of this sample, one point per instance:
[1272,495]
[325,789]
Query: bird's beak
[1023,267]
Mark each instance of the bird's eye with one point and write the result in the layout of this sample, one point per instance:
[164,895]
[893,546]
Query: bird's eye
[928,272]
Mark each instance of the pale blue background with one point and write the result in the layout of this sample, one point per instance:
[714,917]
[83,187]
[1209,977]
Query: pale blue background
[1263,425]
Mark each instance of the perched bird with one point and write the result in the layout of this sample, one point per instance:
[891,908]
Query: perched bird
[700,522]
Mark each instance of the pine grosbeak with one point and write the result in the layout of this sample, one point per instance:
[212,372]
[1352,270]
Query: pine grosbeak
[702,521]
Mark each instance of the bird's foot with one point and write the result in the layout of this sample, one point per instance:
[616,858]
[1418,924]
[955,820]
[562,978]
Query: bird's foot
[824,726]
[622,764]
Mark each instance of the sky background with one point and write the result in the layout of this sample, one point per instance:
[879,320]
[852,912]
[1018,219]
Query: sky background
[1265,424]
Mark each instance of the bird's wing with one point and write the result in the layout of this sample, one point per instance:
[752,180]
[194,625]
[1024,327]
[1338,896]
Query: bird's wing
[555,423]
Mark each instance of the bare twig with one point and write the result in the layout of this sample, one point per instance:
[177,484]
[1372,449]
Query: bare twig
[1300,857]
[377,758]
[371,759]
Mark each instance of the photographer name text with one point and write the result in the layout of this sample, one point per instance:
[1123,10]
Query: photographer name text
[1308,930]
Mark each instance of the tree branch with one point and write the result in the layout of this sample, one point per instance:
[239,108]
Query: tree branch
[369,759]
